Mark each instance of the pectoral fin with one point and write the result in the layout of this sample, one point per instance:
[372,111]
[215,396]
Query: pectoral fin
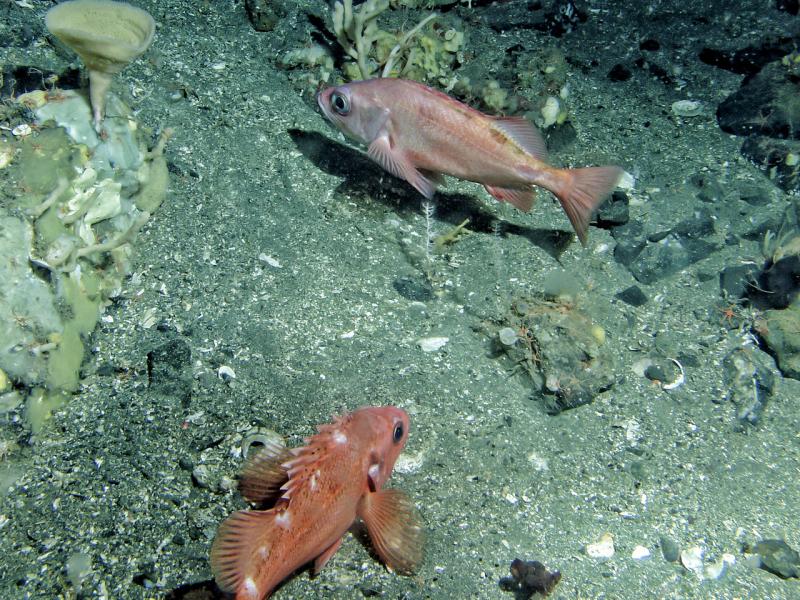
[394,528]
[380,150]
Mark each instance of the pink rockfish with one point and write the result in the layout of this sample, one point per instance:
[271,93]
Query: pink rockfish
[418,133]
[319,490]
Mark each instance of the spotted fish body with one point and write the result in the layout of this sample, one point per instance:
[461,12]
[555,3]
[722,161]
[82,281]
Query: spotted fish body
[419,134]
[321,489]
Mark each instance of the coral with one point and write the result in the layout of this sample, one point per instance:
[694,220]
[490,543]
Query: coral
[379,52]
[357,32]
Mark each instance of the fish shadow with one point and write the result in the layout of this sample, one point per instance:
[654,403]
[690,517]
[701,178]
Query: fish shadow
[363,178]
[201,590]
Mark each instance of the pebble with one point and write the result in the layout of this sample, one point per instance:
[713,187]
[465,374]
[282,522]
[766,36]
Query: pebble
[669,549]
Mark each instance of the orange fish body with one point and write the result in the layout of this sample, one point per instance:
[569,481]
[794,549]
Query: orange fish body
[418,133]
[321,489]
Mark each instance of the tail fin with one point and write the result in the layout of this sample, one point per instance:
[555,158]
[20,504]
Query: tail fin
[239,551]
[583,191]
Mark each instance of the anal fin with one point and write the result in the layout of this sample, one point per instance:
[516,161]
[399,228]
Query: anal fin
[322,559]
[522,199]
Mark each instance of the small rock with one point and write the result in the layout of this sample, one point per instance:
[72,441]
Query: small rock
[777,557]
[633,296]
[670,549]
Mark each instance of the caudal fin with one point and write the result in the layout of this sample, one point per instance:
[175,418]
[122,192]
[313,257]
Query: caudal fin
[582,192]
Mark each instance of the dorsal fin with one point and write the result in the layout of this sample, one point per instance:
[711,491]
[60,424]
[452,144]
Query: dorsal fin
[524,134]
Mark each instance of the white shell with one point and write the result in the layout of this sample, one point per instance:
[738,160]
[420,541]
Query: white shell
[432,344]
[687,108]
[692,560]
[602,548]
[226,373]
[106,202]
[270,260]
[23,130]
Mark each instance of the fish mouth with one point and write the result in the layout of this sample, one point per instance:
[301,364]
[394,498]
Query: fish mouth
[323,99]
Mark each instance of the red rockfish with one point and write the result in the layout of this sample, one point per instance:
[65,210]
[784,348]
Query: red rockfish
[319,490]
[418,133]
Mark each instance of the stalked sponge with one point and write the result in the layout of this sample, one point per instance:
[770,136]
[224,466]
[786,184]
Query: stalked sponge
[106,35]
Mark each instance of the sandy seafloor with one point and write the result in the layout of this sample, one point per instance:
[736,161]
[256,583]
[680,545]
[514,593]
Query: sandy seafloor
[257,171]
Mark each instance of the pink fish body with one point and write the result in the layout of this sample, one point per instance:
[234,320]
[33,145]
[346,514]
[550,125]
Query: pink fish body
[418,133]
[321,489]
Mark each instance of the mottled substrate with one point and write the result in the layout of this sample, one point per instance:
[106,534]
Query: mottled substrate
[561,349]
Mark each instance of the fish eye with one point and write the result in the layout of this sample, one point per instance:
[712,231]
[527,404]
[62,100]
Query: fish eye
[398,433]
[340,104]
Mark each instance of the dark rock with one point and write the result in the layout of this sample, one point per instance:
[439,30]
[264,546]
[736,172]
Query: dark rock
[778,283]
[529,578]
[633,296]
[630,240]
[412,289]
[669,549]
[16,80]
[619,73]
[735,281]
[614,211]
[683,245]
[790,6]
[771,155]
[777,557]
[749,60]
[649,45]
[654,70]
[767,104]
[708,187]
[754,195]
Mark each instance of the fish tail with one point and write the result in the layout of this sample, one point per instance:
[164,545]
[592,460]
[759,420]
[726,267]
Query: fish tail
[581,191]
[239,552]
